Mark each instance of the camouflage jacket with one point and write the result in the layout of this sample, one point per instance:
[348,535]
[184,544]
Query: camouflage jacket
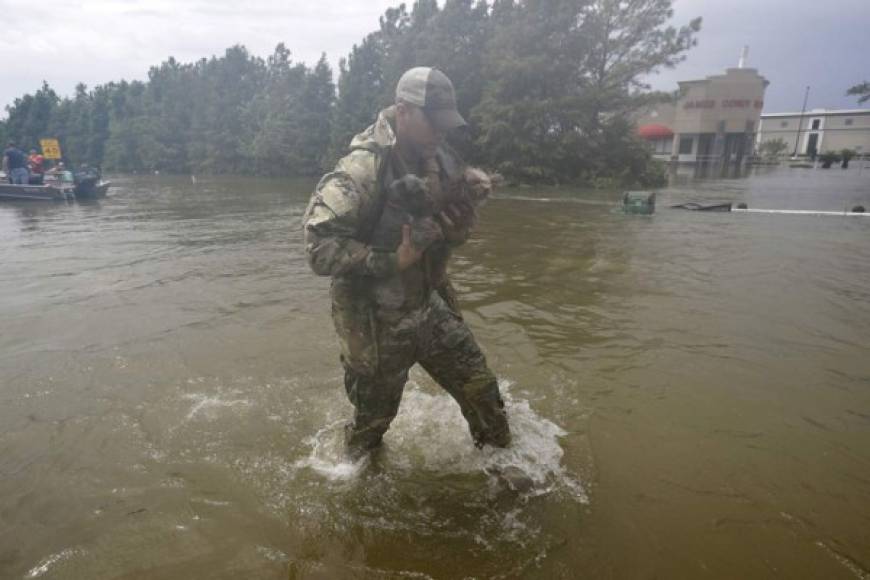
[338,223]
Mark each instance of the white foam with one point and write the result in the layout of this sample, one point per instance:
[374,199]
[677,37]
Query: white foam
[207,404]
[328,457]
[430,434]
[48,562]
[272,554]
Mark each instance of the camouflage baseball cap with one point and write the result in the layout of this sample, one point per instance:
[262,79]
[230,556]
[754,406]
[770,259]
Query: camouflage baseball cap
[431,90]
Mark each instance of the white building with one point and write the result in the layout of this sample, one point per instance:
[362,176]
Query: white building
[818,130]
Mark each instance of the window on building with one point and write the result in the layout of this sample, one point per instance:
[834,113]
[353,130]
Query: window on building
[816,123]
[783,124]
[848,121]
[686,145]
[665,146]
[662,145]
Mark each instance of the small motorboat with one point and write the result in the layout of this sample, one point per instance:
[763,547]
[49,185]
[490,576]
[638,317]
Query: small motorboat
[53,188]
[89,183]
[57,186]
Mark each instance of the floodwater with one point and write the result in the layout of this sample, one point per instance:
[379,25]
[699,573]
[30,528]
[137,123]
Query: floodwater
[690,391]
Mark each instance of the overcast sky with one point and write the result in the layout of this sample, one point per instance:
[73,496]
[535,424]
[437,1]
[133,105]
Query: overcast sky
[793,43]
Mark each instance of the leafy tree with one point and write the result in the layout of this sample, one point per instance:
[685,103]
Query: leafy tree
[828,158]
[30,116]
[562,76]
[548,87]
[314,112]
[98,132]
[294,113]
[360,85]
[276,136]
[772,148]
[862,91]
[525,114]
[123,150]
[232,83]
[846,155]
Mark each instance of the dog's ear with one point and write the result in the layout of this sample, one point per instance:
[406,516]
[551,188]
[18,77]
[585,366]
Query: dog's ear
[414,186]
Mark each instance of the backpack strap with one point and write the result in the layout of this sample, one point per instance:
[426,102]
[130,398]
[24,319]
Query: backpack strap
[381,202]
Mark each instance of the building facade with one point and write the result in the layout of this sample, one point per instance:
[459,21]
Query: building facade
[713,119]
[818,131]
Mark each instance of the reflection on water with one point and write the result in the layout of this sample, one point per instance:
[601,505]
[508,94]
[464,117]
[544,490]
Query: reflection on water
[688,391]
[709,170]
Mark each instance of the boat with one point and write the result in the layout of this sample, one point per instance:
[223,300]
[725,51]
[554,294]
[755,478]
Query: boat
[89,183]
[53,188]
[57,186]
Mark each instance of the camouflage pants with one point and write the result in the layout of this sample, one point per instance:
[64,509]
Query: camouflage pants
[435,337]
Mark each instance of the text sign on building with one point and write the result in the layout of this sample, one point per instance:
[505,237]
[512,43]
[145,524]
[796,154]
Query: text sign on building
[700,104]
[726,104]
[50,148]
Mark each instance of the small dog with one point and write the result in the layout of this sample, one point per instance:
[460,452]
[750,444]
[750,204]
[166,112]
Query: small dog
[409,201]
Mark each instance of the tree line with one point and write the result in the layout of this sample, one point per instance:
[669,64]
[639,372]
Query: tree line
[548,88]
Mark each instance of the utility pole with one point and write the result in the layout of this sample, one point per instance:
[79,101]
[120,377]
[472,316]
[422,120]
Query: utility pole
[801,122]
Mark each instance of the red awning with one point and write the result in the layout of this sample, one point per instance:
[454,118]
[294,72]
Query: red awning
[654,131]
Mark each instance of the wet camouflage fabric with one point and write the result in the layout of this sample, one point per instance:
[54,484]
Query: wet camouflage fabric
[383,334]
[435,337]
[342,210]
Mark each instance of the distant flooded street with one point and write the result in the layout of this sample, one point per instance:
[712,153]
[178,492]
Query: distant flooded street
[690,391]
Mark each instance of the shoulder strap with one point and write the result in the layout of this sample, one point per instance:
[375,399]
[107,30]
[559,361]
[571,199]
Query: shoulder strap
[381,199]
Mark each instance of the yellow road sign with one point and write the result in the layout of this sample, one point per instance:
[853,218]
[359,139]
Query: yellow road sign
[50,148]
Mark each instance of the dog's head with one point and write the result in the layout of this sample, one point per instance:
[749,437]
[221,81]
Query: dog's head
[411,193]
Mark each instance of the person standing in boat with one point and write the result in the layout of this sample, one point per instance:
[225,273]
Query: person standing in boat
[15,165]
[36,164]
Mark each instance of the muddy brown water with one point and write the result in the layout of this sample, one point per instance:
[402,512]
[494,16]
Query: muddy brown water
[690,391]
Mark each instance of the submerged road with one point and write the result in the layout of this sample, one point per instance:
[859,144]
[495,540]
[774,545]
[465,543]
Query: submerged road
[689,391]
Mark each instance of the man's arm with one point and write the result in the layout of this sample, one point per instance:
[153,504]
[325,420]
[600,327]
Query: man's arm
[332,226]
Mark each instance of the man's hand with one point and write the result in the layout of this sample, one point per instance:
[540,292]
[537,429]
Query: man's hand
[456,220]
[407,253]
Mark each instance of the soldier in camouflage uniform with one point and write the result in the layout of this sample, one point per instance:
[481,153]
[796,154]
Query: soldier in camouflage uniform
[394,306]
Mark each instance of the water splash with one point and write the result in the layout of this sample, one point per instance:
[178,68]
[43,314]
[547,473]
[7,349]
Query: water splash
[328,457]
[50,561]
[430,435]
[207,404]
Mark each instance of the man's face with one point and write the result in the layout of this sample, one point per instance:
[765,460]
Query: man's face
[415,131]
